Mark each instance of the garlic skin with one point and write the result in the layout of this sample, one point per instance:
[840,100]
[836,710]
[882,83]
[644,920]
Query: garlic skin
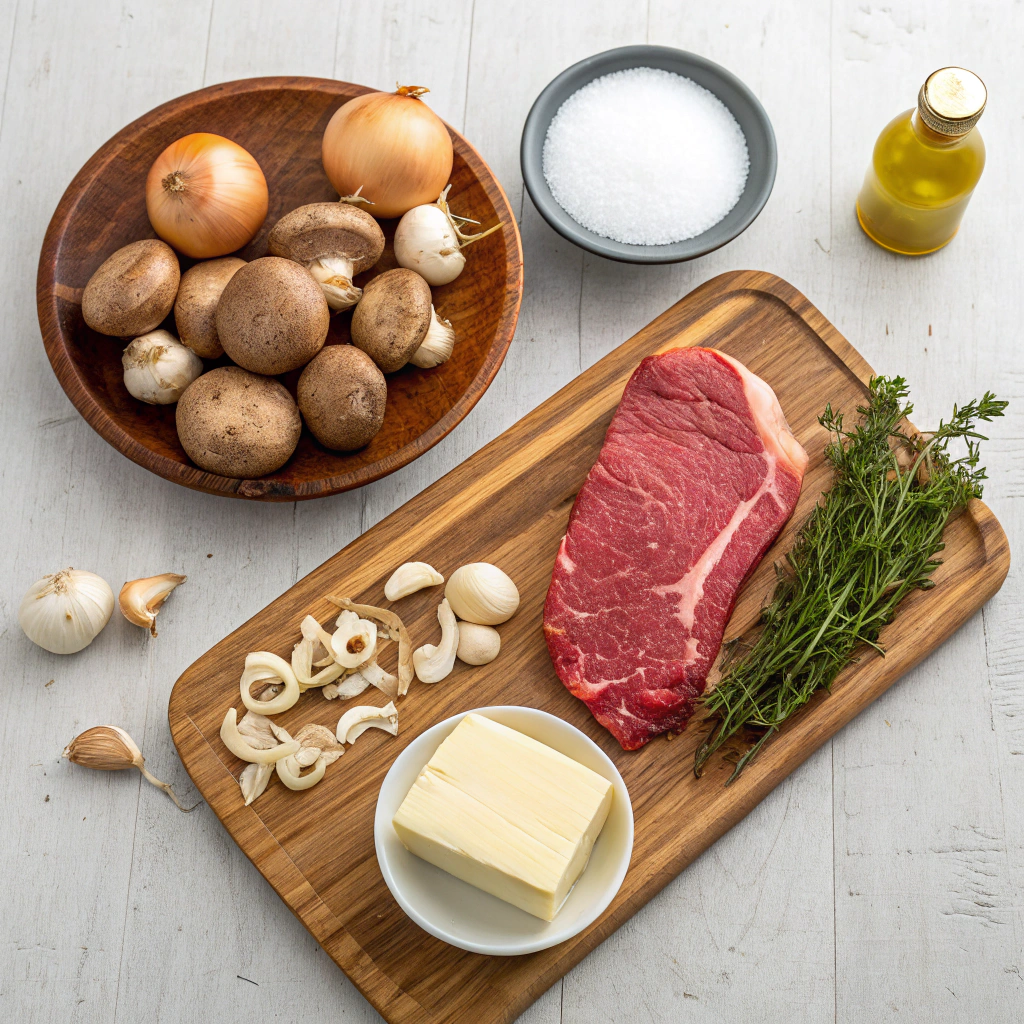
[478,645]
[334,275]
[482,593]
[141,600]
[409,578]
[434,662]
[357,720]
[425,241]
[254,780]
[242,749]
[437,345]
[64,612]
[158,368]
[354,641]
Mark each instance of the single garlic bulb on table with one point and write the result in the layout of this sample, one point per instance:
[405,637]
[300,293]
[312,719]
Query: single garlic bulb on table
[158,368]
[64,612]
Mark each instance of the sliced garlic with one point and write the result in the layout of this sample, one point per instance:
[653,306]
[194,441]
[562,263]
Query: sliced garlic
[140,600]
[434,662]
[304,653]
[233,740]
[254,780]
[260,666]
[288,769]
[357,720]
[478,645]
[409,578]
[354,641]
[396,629]
[482,593]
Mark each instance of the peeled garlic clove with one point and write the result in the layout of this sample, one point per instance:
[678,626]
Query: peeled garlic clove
[141,600]
[432,662]
[409,578]
[482,593]
[254,780]
[357,720]
[437,345]
[158,368]
[354,641]
[64,612]
[288,769]
[110,749]
[478,645]
[263,665]
[233,740]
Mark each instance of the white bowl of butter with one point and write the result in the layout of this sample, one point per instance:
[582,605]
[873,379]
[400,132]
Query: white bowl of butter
[468,917]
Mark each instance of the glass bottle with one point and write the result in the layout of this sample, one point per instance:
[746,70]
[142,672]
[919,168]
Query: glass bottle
[925,166]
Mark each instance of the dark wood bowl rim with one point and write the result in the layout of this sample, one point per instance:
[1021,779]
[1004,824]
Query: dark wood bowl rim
[57,346]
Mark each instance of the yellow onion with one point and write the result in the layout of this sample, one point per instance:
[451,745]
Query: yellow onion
[392,146]
[206,196]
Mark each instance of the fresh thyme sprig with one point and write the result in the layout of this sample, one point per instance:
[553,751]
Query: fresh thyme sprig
[864,547]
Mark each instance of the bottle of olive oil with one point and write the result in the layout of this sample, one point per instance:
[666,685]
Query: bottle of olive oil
[925,166]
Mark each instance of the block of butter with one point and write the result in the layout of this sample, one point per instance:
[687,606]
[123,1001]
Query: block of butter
[505,813]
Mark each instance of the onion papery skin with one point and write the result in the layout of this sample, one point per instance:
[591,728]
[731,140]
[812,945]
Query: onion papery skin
[393,147]
[221,198]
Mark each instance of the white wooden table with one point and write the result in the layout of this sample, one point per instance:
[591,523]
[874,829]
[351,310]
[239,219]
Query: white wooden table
[882,882]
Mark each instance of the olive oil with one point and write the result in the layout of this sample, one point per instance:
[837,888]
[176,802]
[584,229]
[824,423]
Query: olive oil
[926,164]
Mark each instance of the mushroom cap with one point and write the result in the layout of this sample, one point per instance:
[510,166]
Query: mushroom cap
[133,290]
[195,307]
[342,396]
[272,316]
[325,230]
[392,318]
[237,423]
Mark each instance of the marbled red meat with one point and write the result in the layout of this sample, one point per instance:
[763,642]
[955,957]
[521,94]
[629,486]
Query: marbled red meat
[698,474]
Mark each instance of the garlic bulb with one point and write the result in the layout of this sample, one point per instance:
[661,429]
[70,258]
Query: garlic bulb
[63,613]
[141,600]
[437,343]
[334,275]
[482,593]
[158,368]
[410,577]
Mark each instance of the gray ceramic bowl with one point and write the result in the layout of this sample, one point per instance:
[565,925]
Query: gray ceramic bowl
[726,86]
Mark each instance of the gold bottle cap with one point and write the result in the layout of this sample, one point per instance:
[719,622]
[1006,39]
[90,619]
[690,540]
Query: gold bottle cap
[952,101]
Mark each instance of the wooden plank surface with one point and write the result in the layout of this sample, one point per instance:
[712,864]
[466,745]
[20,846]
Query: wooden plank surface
[849,893]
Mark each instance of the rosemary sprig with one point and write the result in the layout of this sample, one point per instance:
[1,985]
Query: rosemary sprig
[869,542]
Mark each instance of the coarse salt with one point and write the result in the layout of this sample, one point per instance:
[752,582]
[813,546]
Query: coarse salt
[646,157]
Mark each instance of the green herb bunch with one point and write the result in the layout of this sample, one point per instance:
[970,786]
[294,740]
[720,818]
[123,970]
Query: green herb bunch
[869,542]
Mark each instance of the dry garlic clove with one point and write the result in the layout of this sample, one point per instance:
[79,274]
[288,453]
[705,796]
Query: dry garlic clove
[288,771]
[141,600]
[236,743]
[356,721]
[354,641]
[482,593]
[437,345]
[396,629]
[254,780]
[261,666]
[64,612]
[409,578]
[110,749]
[478,645]
[432,662]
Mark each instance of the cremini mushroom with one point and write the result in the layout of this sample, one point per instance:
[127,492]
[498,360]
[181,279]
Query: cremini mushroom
[236,743]
[392,318]
[272,316]
[357,720]
[261,667]
[409,578]
[133,290]
[434,662]
[237,423]
[334,242]
[195,307]
[342,395]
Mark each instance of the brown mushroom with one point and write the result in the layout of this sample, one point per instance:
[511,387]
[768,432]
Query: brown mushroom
[392,318]
[334,242]
[196,305]
[341,397]
[272,316]
[133,290]
[237,423]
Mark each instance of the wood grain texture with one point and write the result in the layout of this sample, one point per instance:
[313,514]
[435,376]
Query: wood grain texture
[509,504]
[281,122]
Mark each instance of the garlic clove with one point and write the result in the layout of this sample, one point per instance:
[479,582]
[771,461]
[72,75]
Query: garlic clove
[263,665]
[108,748]
[478,645]
[354,641]
[434,662]
[141,600]
[409,578]
[482,593]
[65,611]
[254,780]
[233,740]
[437,345]
[396,629]
[334,275]
[158,368]
[357,720]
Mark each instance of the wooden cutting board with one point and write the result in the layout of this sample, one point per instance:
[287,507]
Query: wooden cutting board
[509,504]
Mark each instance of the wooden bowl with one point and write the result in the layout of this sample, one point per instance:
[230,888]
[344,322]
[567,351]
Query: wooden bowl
[281,122]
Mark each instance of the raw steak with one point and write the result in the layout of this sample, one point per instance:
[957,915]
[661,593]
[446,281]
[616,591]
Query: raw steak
[698,473]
